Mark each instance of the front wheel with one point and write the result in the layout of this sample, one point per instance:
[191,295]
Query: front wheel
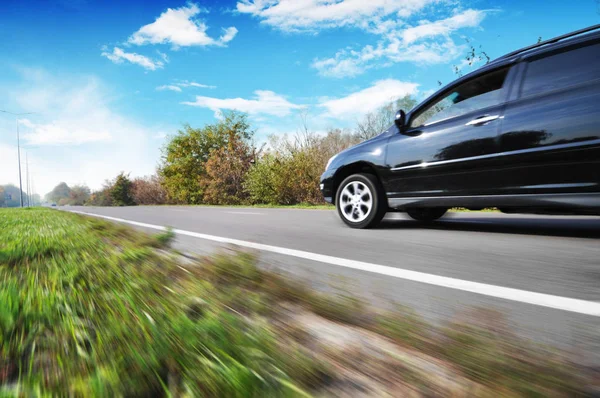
[427,214]
[360,201]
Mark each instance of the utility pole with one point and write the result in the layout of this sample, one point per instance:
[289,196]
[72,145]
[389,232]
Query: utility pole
[19,160]
[33,191]
[16,115]
[27,179]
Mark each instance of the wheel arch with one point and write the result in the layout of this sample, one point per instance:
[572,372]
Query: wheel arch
[347,170]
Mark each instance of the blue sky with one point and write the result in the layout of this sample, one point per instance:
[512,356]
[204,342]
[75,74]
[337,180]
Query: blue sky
[108,80]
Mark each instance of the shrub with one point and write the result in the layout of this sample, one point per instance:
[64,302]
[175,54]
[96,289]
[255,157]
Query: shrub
[148,191]
[184,158]
[289,174]
[121,191]
[100,198]
[226,168]
[262,180]
[79,195]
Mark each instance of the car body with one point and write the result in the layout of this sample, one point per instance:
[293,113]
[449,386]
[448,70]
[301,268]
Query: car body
[522,134]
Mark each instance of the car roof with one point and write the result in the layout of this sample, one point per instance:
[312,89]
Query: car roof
[578,36]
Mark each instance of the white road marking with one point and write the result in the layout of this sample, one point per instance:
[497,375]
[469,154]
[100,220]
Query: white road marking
[506,293]
[244,212]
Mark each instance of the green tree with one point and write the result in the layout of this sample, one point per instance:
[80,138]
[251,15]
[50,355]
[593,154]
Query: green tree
[1,196]
[226,168]
[121,191]
[79,195]
[289,173]
[11,196]
[61,191]
[185,155]
[261,182]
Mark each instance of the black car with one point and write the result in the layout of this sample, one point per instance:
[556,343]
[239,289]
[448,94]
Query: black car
[521,134]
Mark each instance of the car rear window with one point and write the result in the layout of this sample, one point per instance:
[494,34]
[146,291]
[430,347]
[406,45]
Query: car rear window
[562,70]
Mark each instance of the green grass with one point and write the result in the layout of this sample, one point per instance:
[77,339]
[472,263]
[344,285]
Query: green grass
[91,308]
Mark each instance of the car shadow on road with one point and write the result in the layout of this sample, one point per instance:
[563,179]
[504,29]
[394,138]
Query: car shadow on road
[567,227]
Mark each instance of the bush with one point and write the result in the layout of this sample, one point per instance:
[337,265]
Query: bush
[100,198]
[121,191]
[184,159]
[289,174]
[262,180]
[148,191]
[226,168]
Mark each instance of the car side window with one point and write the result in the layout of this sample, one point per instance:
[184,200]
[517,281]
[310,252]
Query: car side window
[562,70]
[477,93]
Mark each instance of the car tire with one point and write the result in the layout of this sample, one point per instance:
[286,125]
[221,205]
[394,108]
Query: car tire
[427,214]
[360,201]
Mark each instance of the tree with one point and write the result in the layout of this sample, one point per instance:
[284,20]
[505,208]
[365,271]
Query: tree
[1,196]
[374,123]
[148,191]
[11,196]
[121,191]
[59,192]
[100,198]
[290,172]
[79,195]
[226,170]
[185,155]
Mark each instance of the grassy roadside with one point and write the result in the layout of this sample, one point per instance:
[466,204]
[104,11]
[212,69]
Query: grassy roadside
[90,308]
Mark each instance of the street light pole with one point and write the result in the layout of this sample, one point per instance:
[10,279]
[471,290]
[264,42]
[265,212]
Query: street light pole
[27,180]
[19,160]
[16,115]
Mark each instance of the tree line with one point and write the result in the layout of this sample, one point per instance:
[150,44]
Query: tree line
[10,197]
[221,164]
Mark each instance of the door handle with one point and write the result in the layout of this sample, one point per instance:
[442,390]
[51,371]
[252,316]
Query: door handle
[481,120]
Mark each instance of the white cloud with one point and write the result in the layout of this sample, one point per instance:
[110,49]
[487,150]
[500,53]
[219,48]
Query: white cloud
[186,83]
[77,135]
[179,27]
[164,56]
[118,56]
[265,102]
[61,132]
[169,87]
[401,37]
[228,34]
[367,100]
[425,43]
[426,29]
[312,15]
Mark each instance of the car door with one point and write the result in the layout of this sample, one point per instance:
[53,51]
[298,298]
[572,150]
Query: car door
[551,131]
[449,145]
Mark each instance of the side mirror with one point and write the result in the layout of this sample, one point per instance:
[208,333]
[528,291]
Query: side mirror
[400,120]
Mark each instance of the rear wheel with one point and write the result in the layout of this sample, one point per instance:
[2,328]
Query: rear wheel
[360,201]
[427,214]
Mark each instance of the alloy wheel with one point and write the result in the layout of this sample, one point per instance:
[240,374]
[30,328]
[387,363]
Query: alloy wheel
[356,201]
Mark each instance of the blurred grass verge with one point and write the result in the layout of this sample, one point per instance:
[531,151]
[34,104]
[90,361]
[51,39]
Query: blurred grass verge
[91,308]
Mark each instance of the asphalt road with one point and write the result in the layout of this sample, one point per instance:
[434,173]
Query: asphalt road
[555,256]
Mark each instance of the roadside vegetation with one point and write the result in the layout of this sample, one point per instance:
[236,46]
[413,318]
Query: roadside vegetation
[91,308]
[220,164]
